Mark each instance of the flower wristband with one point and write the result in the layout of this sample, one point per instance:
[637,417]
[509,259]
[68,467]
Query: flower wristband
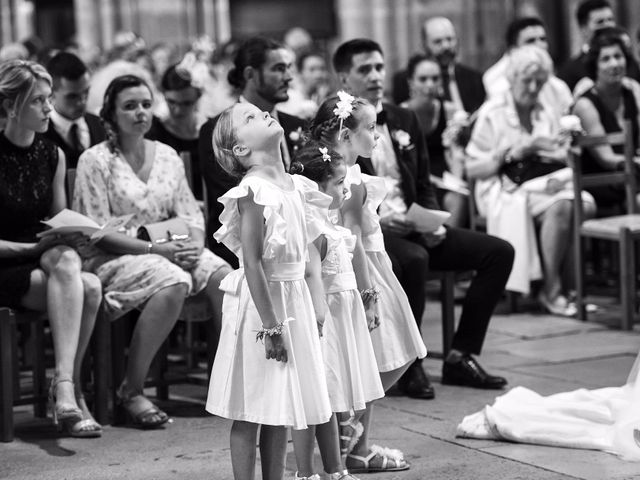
[270,332]
[369,294]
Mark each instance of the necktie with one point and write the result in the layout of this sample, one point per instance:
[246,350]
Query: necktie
[74,138]
[381,119]
[446,79]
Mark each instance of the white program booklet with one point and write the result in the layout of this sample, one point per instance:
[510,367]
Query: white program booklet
[68,221]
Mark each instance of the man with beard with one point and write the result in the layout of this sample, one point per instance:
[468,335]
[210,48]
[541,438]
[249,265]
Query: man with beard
[462,85]
[71,127]
[262,73]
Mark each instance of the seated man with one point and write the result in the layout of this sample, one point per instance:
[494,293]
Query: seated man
[360,67]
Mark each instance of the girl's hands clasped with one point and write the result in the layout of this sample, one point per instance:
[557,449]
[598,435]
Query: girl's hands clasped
[274,348]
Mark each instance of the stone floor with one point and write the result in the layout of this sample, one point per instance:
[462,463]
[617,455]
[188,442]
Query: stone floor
[545,353]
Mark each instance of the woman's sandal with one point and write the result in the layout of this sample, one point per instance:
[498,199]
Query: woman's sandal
[343,475]
[141,410]
[350,433]
[85,428]
[379,459]
[315,476]
[62,413]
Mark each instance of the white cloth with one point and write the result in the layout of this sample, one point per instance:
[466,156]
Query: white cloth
[385,164]
[397,341]
[244,384]
[63,125]
[555,94]
[605,419]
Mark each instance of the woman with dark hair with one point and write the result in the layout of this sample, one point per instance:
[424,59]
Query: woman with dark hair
[181,127]
[425,100]
[43,274]
[605,107]
[128,174]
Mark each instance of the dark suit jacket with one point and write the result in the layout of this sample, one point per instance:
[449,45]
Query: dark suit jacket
[218,182]
[96,135]
[469,83]
[413,162]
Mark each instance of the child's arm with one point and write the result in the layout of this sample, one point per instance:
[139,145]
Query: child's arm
[252,237]
[352,219]
[313,277]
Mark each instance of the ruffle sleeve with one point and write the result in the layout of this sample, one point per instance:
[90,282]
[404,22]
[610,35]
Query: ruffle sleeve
[376,190]
[264,195]
[316,207]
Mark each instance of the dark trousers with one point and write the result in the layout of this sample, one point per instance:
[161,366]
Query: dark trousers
[490,257]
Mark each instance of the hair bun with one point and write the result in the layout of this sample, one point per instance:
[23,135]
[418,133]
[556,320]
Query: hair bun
[232,78]
[296,168]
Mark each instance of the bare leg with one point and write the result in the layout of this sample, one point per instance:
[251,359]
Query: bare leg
[303,442]
[243,449]
[58,289]
[555,231]
[273,451]
[329,445]
[154,325]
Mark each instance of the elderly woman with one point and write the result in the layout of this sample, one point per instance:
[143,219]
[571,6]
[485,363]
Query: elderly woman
[517,153]
[128,174]
[605,106]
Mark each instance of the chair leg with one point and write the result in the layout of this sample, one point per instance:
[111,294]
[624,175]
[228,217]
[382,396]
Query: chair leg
[117,365]
[6,374]
[627,280]
[101,368]
[580,281]
[39,371]
[161,365]
[447,287]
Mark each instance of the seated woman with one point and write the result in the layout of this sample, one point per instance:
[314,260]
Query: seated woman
[603,109]
[518,155]
[425,89]
[128,174]
[181,127]
[43,275]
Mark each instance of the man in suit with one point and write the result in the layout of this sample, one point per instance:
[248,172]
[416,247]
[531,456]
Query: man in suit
[71,127]
[359,64]
[262,73]
[462,85]
[591,16]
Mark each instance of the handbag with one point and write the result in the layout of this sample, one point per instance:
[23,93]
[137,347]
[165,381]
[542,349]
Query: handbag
[528,168]
[163,232]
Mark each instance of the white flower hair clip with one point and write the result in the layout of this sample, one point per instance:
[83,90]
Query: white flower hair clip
[325,154]
[344,108]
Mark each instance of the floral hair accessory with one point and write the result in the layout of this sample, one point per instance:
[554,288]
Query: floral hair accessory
[570,124]
[344,108]
[325,154]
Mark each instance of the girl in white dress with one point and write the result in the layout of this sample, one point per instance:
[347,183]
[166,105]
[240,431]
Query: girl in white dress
[350,363]
[347,124]
[279,381]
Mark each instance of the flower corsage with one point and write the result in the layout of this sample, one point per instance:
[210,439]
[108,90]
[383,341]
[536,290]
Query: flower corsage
[403,139]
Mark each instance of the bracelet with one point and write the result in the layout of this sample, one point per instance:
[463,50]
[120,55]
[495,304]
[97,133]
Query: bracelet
[277,330]
[368,294]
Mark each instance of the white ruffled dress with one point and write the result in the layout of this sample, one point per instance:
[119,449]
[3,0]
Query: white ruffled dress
[397,341]
[244,384]
[350,363]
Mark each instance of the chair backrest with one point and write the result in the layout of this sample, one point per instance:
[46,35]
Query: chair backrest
[626,177]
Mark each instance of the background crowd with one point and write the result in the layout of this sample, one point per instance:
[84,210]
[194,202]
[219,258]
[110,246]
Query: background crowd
[135,125]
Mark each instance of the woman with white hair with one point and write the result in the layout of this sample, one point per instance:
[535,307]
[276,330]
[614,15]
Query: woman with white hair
[517,154]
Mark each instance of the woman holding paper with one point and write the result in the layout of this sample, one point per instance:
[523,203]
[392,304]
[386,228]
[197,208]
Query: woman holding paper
[128,174]
[45,274]
[518,153]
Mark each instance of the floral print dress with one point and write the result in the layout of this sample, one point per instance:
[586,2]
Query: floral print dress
[106,187]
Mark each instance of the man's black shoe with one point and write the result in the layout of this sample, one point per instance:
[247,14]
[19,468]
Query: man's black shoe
[414,383]
[468,372]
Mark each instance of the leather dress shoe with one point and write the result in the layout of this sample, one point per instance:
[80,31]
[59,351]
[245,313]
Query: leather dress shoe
[414,383]
[468,372]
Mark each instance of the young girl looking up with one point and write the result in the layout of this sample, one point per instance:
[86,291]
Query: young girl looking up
[278,381]
[347,124]
[350,364]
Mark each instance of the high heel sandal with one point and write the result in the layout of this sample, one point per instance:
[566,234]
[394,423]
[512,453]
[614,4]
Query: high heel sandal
[87,427]
[140,410]
[62,413]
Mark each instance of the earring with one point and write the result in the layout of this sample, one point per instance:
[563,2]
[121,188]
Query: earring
[12,114]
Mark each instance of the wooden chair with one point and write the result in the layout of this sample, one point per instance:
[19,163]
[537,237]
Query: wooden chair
[622,229]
